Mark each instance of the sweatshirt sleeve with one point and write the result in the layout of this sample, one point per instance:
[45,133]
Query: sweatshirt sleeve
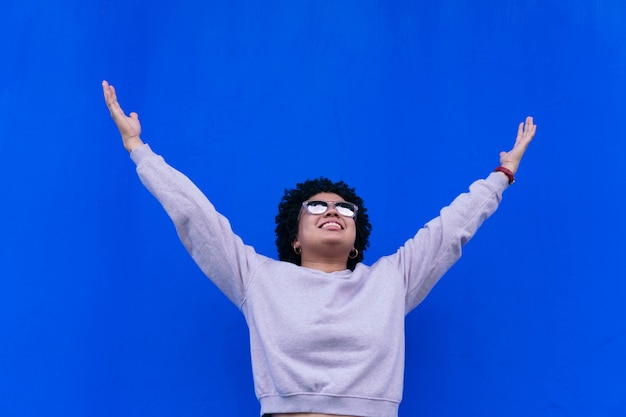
[437,246]
[206,234]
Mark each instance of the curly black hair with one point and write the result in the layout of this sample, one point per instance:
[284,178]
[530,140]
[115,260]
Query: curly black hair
[289,210]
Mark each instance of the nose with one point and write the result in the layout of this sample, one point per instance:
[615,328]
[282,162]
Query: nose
[331,210]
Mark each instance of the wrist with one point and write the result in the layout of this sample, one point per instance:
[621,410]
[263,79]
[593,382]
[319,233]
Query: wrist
[511,166]
[132,143]
[506,171]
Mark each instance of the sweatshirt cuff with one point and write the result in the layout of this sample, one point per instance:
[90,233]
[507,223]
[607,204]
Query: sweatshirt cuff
[499,180]
[141,153]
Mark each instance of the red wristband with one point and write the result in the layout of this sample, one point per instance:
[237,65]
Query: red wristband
[506,172]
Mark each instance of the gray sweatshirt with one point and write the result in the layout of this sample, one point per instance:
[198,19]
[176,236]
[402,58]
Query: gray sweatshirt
[329,343]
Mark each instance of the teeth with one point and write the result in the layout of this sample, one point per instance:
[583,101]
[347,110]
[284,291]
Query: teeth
[331,224]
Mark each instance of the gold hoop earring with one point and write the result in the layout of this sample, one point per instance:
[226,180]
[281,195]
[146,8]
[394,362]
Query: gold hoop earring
[356,253]
[297,250]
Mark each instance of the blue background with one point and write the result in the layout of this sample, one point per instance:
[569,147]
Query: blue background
[103,313]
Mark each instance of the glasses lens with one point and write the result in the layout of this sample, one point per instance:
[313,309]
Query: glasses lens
[320,207]
[317,207]
[345,209]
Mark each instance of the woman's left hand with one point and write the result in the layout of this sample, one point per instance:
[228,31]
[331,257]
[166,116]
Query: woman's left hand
[525,133]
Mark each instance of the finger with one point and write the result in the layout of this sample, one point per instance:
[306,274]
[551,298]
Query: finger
[113,93]
[109,96]
[532,128]
[109,91]
[105,90]
[112,103]
[529,124]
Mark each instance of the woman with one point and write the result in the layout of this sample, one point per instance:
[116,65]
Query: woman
[326,331]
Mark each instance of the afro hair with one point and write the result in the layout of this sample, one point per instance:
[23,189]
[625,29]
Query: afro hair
[289,210]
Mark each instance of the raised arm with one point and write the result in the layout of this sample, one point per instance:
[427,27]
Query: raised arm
[129,126]
[206,234]
[437,246]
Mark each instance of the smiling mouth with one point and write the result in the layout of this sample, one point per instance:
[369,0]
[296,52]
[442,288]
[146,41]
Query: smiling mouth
[331,226]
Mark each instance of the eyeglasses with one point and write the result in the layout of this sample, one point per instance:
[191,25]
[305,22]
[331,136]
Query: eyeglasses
[318,207]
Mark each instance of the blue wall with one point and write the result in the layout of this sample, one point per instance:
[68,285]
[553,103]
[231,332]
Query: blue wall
[103,313]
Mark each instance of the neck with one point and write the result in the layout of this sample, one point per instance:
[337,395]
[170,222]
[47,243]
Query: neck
[324,265]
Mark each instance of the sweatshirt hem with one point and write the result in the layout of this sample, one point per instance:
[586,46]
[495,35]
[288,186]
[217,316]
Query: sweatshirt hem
[329,404]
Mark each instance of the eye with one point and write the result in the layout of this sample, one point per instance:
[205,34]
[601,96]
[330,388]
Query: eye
[317,207]
[345,209]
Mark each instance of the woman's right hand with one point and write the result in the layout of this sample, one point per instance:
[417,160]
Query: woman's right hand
[129,127]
